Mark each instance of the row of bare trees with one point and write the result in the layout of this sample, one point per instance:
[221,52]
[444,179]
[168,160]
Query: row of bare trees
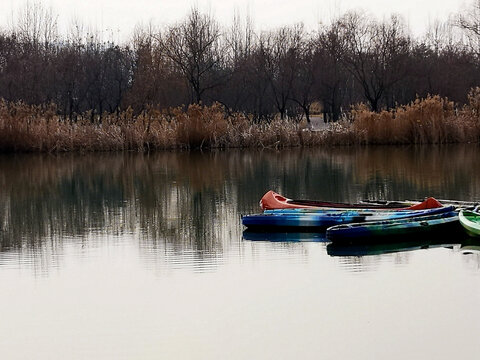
[279,72]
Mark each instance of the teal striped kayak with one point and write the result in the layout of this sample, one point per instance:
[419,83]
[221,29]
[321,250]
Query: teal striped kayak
[303,219]
[444,224]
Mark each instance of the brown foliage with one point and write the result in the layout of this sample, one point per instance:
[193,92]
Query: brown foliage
[433,120]
[29,128]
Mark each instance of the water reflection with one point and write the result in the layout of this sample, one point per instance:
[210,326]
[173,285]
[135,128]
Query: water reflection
[187,206]
[470,250]
[284,236]
[384,248]
[370,257]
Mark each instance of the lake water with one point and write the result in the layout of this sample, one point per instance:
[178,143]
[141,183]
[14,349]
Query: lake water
[126,256]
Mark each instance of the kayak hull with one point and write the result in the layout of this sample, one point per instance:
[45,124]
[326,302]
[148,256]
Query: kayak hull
[445,225]
[272,200]
[470,220]
[300,220]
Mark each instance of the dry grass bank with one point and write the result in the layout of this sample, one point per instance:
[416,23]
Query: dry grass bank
[433,120]
[25,128]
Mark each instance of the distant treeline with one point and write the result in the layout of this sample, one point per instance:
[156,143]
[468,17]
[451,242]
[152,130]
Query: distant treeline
[281,72]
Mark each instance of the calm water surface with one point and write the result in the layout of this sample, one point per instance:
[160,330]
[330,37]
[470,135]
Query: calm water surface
[143,257]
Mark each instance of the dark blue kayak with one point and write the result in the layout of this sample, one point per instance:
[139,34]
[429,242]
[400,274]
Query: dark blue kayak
[301,219]
[374,231]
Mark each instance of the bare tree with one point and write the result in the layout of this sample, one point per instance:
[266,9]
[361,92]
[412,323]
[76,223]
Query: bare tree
[303,85]
[239,39]
[375,54]
[283,61]
[235,94]
[470,23]
[36,24]
[258,80]
[194,47]
[332,78]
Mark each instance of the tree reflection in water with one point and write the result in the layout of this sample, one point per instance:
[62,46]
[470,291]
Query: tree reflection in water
[192,202]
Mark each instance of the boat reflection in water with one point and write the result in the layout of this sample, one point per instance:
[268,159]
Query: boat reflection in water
[284,236]
[471,245]
[460,241]
[384,248]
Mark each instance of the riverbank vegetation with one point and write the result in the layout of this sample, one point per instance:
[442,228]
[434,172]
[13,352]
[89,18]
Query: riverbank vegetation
[196,84]
[432,120]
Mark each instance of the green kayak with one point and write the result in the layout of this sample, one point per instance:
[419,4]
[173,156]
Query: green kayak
[470,220]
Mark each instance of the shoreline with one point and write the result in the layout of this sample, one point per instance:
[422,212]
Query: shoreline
[36,129]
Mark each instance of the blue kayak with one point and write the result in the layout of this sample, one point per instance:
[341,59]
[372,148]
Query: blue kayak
[302,219]
[433,224]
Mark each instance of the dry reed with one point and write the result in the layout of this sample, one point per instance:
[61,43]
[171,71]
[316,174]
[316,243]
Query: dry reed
[433,120]
[28,128]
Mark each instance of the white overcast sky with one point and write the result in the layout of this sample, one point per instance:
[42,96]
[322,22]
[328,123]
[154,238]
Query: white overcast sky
[119,17]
